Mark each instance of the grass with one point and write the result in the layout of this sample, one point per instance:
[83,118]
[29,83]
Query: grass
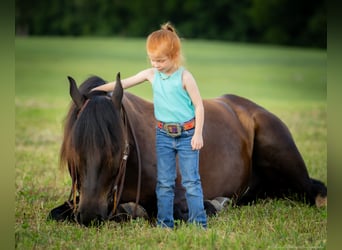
[290,82]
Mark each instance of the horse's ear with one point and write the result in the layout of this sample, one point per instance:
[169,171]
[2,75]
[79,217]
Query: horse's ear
[118,92]
[75,94]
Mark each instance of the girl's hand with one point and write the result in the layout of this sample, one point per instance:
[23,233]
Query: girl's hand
[197,142]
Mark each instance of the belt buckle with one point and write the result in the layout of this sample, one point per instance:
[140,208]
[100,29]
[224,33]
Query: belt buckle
[173,129]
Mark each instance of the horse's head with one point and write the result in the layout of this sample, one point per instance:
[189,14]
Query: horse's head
[93,147]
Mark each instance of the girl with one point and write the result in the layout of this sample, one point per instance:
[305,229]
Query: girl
[178,109]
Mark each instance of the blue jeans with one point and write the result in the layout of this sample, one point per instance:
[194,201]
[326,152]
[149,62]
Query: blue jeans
[167,148]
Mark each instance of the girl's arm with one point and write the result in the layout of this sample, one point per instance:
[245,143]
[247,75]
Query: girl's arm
[191,87]
[142,76]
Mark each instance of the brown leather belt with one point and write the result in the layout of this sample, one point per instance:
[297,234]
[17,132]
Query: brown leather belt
[173,128]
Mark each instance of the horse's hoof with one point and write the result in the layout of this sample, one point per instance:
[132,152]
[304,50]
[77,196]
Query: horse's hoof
[128,210]
[224,201]
[62,213]
[216,205]
[321,201]
[210,208]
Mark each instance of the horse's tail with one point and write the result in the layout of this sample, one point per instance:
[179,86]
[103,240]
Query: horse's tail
[320,192]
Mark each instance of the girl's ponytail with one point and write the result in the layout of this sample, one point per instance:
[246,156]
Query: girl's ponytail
[168,26]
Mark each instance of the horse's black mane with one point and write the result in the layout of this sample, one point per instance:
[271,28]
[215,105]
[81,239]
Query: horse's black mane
[97,129]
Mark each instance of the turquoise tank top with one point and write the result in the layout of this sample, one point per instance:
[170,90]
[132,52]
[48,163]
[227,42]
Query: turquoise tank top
[172,102]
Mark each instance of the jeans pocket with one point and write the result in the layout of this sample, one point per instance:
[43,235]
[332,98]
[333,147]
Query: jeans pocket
[188,133]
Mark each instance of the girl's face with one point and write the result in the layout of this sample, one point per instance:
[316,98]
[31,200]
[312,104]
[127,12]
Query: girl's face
[162,63]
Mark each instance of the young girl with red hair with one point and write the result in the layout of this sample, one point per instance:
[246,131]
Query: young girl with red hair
[179,112]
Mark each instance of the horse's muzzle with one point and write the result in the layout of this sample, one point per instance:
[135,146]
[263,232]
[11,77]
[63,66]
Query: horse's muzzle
[89,219]
[91,214]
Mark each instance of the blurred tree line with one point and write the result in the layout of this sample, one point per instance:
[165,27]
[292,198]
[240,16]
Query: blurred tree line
[286,22]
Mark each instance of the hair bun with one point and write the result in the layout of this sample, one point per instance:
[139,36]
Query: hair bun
[168,26]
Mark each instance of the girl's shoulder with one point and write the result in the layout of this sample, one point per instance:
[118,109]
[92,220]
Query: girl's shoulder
[188,80]
[187,75]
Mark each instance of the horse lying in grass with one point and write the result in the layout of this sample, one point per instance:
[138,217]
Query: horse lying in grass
[109,148]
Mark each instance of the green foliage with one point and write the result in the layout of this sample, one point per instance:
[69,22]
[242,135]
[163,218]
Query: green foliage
[289,82]
[279,21]
[288,22]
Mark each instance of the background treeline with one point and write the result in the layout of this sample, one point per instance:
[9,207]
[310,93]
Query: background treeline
[286,22]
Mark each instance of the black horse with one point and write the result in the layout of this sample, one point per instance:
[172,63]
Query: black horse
[109,148]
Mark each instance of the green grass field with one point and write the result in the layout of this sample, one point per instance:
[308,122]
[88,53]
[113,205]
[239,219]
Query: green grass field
[290,82]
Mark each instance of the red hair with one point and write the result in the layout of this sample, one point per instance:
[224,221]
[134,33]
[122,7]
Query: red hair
[165,42]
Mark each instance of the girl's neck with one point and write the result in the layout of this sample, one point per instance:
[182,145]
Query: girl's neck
[171,70]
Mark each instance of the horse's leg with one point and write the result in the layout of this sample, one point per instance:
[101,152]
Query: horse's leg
[278,167]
